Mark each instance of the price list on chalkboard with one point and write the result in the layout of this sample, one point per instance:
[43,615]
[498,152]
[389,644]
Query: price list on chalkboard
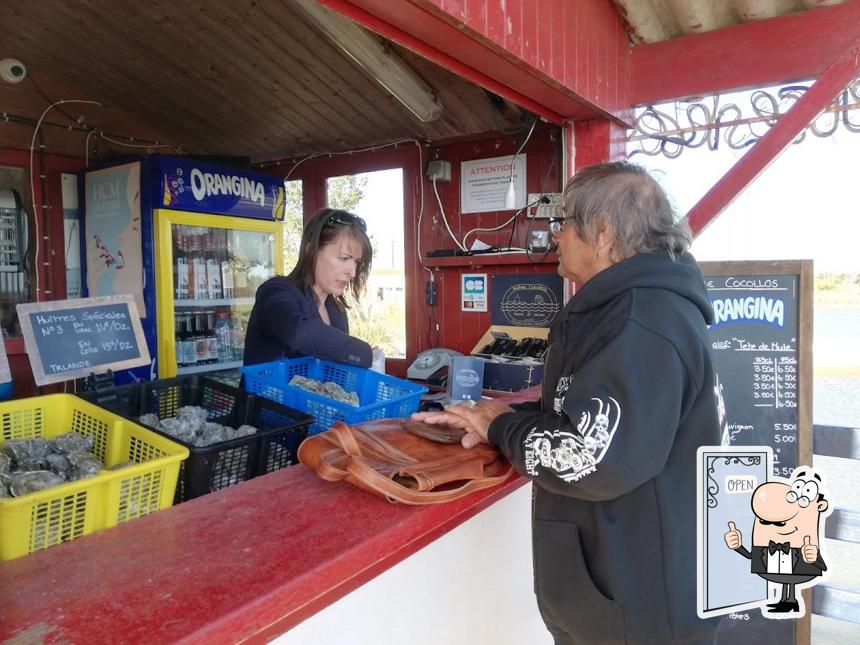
[755,348]
[69,339]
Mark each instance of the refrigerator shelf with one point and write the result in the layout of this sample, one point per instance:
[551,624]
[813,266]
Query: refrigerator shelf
[209,367]
[213,302]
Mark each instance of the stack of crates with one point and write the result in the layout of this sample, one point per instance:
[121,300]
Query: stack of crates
[280,429]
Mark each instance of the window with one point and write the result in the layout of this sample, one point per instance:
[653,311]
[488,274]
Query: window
[293,223]
[14,274]
[377,197]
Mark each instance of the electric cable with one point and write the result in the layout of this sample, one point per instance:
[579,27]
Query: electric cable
[129,143]
[371,149]
[421,212]
[445,219]
[550,246]
[32,181]
[501,226]
[510,180]
[519,150]
[87,148]
[516,214]
[333,154]
[49,99]
[513,130]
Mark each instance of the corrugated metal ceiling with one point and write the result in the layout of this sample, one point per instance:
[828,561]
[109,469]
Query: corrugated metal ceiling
[649,21]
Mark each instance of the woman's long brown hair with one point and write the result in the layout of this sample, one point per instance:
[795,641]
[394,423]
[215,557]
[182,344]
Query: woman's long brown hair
[322,229]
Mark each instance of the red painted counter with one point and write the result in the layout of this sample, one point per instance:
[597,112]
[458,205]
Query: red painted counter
[244,564]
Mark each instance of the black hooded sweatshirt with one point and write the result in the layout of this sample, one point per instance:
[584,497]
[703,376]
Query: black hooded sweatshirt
[628,397]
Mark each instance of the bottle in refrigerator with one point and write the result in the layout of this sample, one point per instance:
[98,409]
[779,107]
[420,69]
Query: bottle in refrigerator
[226,279]
[181,277]
[224,333]
[211,339]
[191,281]
[201,281]
[213,277]
[189,347]
[238,340]
[180,334]
[201,342]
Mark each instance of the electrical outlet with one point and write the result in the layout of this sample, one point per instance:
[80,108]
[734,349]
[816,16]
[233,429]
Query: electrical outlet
[439,169]
[545,205]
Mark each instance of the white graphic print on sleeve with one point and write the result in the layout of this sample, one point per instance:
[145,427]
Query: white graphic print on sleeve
[560,390]
[573,455]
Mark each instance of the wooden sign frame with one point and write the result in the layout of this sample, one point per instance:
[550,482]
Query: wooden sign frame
[36,362]
[802,270]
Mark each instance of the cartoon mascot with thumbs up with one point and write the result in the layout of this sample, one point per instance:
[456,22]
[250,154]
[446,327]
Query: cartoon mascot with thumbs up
[785,536]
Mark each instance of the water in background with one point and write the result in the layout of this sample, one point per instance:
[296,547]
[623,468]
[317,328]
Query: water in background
[836,360]
[836,401]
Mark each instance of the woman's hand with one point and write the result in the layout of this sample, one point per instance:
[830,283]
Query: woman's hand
[474,419]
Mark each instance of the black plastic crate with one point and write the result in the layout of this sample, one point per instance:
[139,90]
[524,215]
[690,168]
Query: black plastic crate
[280,429]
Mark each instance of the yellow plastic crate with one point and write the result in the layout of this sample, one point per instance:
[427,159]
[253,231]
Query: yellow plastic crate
[62,513]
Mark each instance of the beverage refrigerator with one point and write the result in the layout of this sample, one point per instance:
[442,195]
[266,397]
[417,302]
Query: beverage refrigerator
[192,241]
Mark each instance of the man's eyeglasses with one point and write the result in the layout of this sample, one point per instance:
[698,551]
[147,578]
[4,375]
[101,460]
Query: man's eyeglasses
[556,226]
[346,219]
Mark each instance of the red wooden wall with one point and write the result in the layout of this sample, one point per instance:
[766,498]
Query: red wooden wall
[457,330]
[559,59]
[461,330]
[580,45]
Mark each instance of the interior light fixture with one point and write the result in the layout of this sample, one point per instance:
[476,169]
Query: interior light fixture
[384,66]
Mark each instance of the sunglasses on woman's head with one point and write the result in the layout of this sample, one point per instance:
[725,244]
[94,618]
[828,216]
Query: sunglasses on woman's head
[346,219]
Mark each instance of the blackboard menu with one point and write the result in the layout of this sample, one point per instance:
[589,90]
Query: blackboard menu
[68,339]
[754,344]
[761,346]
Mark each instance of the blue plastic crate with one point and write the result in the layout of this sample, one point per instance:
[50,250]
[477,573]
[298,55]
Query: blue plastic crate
[381,396]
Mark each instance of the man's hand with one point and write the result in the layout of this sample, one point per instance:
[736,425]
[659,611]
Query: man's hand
[809,550]
[475,420]
[733,537]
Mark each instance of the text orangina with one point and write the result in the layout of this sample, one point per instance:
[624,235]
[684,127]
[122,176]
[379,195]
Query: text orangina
[766,310]
[204,184]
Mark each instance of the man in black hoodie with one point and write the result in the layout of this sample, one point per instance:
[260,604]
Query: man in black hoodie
[628,397]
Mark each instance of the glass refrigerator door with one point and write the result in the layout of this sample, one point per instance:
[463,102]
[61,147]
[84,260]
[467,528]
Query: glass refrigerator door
[215,275]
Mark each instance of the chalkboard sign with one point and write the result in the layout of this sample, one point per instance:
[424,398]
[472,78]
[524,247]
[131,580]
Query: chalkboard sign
[762,347]
[69,339]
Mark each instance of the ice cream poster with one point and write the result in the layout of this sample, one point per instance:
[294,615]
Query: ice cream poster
[112,225]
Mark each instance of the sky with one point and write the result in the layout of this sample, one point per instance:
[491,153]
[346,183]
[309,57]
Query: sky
[382,209]
[804,205]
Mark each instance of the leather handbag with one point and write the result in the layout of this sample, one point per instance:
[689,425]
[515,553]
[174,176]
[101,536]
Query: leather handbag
[388,458]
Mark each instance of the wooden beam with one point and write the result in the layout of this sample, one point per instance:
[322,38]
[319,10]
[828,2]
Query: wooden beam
[834,79]
[442,39]
[752,54]
[597,141]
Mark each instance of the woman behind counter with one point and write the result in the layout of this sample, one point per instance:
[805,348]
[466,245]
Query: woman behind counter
[304,313]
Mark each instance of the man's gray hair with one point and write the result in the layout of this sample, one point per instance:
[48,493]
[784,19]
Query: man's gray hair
[625,196]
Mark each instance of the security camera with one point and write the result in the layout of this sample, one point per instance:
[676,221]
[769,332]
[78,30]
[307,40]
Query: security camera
[12,70]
